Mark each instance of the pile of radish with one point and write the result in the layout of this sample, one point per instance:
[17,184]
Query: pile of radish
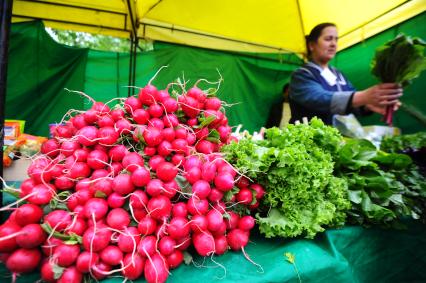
[126,191]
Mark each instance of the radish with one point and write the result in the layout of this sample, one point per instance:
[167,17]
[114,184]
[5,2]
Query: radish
[138,199]
[58,219]
[123,126]
[170,189]
[150,151]
[107,135]
[201,189]
[8,232]
[164,148]
[27,214]
[152,136]
[159,207]
[49,246]
[68,147]
[147,226]
[95,241]
[111,255]
[46,272]
[237,239]
[117,152]
[193,174]
[221,244]
[178,159]
[213,103]
[179,210]
[175,259]
[156,269]
[147,94]
[133,266]
[50,148]
[90,116]
[154,187]
[208,171]
[147,246]
[66,255]
[166,245]
[155,110]
[231,220]
[214,220]
[85,261]
[197,206]
[115,168]
[215,195]
[87,135]
[141,116]
[23,260]
[244,196]
[96,207]
[204,243]
[128,241]
[260,191]
[131,104]
[171,105]
[118,218]
[156,123]
[205,146]
[166,171]
[171,120]
[198,223]
[155,161]
[132,161]
[117,114]
[106,121]
[122,184]
[102,185]
[79,170]
[180,146]
[115,200]
[243,182]
[100,270]
[70,274]
[178,228]
[78,121]
[183,243]
[97,159]
[246,223]
[78,227]
[224,181]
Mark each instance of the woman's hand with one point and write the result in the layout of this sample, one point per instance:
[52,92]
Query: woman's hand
[378,96]
[382,110]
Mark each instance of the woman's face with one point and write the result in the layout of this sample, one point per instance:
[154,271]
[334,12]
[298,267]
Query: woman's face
[324,49]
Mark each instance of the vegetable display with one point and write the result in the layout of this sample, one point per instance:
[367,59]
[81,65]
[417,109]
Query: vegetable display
[126,191]
[399,61]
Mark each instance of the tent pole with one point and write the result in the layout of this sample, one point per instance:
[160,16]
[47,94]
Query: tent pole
[134,61]
[130,89]
[5,19]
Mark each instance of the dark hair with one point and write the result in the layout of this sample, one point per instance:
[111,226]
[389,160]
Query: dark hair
[315,34]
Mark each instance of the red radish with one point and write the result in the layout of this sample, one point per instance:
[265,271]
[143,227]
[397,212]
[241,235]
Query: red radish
[208,171]
[189,106]
[147,226]
[70,274]
[150,151]
[102,185]
[8,244]
[90,116]
[117,114]
[179,210]
[197,206]
[131,104]
[193,122]
[87,135]
[205,146]
[166,245]
[122,184]
[170,189]
[168,134]
[66,255]
[198,223]
[154,187]
[40,175]
[224,181]
[221,244]
[23,260]
[147,94]
[85,260]
[133,266]
[156,269]
[260,191]
[141,116]
[232,220]
[101,107]
[95,241]
[155,161]
[115,169]
[106,121]
[243,182]
[204,243]
[50,148]
[123,126]
[175,259]
[108,135]
[246,223]
[170,104]
[244,196]
[155,110]
[140,177]
[193,174]
[97,159]
[152,136]
[178,159]
[79,170]
[214,220]
[68,147]
[42,194]
[224,132]
[100,270]
[81,154]
[215,195]
[213,103]
[138,199]
[166,171]
[58,219]
[237,239]
[180,145]
[83,184]
[95,207]
[118,218]
[164,148]
[202,133]
[159,207]
[201,189]
[117,152]
[139,214]
[147,246]
[28,213]
[191,139]
[50,245]
[115,200]
[132,161]
[27,187]
[111,255]
[178,228]
[46,272]
[78,122]
[99,173]
[129,240]
[64,131]
[171,120]
[183,243]
[156,123]
[78,227]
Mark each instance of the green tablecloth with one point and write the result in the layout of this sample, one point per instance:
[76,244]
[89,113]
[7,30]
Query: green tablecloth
[350,254]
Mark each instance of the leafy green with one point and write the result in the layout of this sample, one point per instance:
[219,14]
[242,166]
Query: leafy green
[399,60]
[295,166]
[401,142]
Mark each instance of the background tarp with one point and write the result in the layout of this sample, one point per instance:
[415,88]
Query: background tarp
[38,71]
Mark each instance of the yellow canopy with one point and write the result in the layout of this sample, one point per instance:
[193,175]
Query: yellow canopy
[237,25]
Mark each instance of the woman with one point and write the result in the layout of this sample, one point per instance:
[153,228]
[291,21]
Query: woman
[317,89]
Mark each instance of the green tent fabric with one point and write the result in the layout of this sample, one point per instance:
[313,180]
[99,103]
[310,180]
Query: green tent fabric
[250,84]
[39,70]
[355,64]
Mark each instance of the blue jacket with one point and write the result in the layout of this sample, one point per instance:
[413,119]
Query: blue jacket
[312,95]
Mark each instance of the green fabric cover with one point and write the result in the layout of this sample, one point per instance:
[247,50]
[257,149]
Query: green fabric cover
[355,64]
[251,84]
[38,71]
